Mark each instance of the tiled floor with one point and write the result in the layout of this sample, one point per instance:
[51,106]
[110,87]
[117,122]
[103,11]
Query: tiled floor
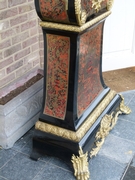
[115,160]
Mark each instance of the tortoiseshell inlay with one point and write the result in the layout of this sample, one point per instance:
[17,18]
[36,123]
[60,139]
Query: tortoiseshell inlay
[87,6]
[89,84]
[58,56]
[54,10]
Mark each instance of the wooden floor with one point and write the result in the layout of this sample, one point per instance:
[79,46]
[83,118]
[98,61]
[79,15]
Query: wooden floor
[120,80]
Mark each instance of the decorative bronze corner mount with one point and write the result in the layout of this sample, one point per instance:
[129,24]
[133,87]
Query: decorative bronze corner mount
[107,124]
[96,4]
[81,165]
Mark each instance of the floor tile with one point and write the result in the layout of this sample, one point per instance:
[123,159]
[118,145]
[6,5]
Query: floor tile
[132,102]
[128,95]
[124,129]
[21,168]
[118,149]
[131,116]
[23,140]
[51,172]
[130,174]
[27,148]
[133,162]
[60,163]
[6,155]
[2,178]
[103,168]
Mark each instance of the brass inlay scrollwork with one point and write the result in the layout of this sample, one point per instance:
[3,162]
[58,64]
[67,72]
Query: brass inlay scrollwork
[72,27]
[78,135]
[81,165]
[57,75]
[96,4]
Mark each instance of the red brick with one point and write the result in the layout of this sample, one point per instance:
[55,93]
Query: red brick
[28,25]
[6,80]
[14,66]
[3,4]
[4,25]
[6,62]
[15,2]
[12,50]
[40,37]
[33,15]
[30,41]
[33,31]
[32,23]
[41,44]
[42,59]
[8,13]
[26,8]
[18,20]
[23,70]
[40,30]
[22,53]
[25,26]
[41,52]
[1,55]
[20,37]
[36,62]
[10,32]
[5,44]
[31,57]
[35,47]
[42,62]
[2,73]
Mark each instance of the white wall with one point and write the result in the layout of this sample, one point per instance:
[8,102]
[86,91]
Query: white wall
[119,36]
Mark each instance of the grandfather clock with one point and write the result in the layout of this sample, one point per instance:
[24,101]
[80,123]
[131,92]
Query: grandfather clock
[78,109]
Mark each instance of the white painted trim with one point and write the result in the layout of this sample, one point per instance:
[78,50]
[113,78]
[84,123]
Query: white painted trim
[119,37]
[118,60]
[133,42]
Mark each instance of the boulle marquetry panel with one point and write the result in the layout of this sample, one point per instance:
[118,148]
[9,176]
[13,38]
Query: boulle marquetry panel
[72,76]
[70,12]
[54,10]
[91,7]
[58,57]
[89,83]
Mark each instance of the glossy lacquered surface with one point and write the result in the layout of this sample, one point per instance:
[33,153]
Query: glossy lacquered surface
[46,143]
[72,76]
[66,11]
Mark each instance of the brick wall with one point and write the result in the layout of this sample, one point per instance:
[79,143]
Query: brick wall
[21,41]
